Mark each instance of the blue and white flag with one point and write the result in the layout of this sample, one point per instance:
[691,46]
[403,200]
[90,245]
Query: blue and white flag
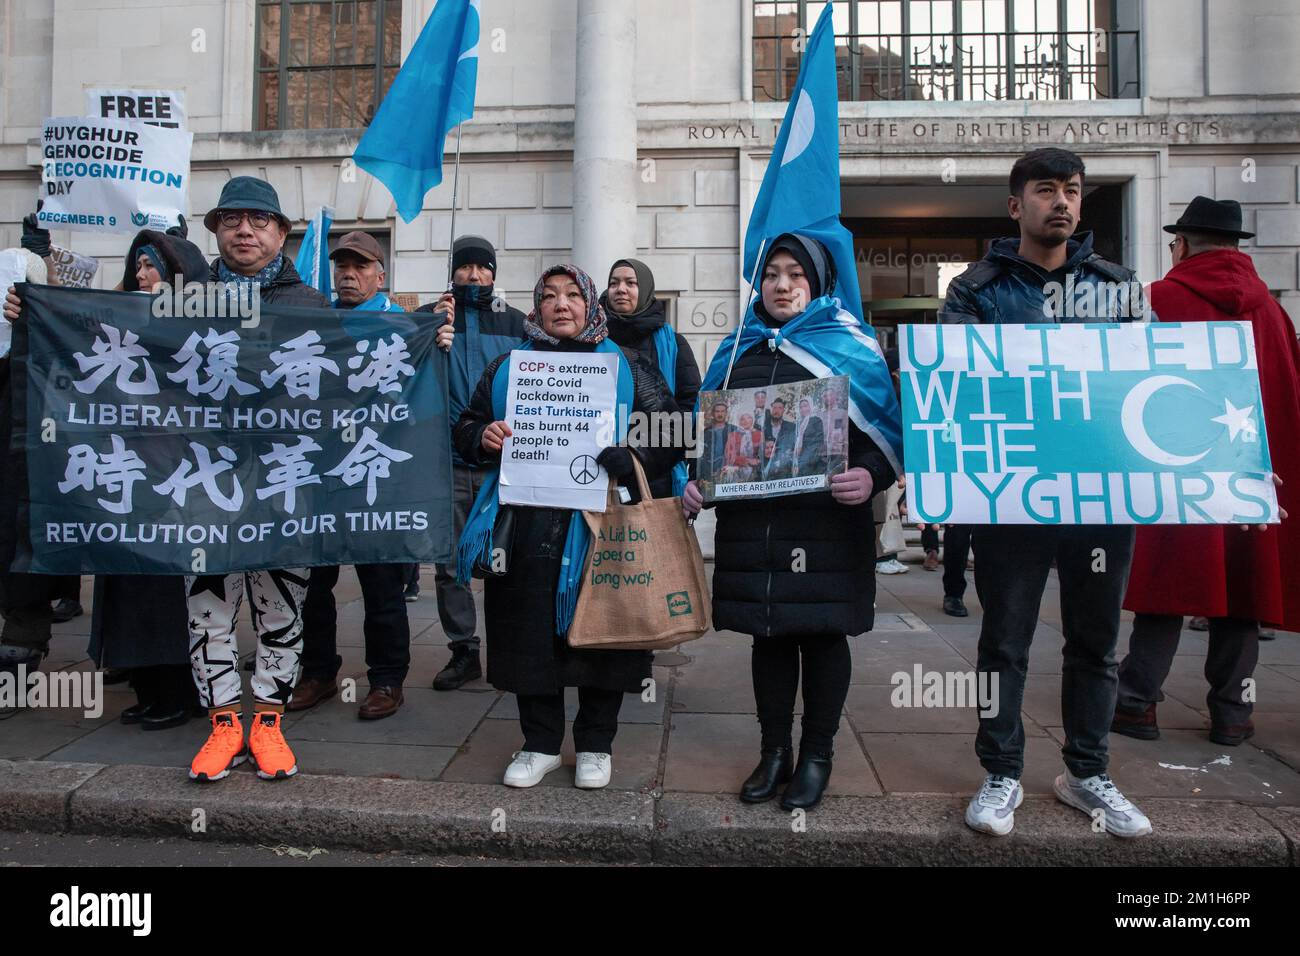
[432,93]
[313,261]
[801,188]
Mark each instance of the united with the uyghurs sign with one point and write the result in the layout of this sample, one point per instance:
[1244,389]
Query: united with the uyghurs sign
[1084,424]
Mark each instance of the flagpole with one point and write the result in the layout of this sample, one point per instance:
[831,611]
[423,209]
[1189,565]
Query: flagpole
[744,310]
[455,188]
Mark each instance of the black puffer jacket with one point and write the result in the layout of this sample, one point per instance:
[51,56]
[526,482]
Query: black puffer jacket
[756,589]
[524,654]
[635,334]
[287,288]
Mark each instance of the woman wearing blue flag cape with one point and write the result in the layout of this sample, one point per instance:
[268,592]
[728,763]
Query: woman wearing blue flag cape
[530,606]
[797,572]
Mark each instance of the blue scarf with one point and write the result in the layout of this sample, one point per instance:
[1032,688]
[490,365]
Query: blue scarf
[376,303]
[666,353]
[239,288]
[476,539]
[827,340]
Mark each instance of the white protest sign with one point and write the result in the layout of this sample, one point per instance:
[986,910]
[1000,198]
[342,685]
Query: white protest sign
[155,107]
[101,175]
[73,270]
[560,408]
[13,268]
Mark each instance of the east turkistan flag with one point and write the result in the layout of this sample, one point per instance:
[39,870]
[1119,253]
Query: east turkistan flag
[313,261]
[801,188]
[431,94]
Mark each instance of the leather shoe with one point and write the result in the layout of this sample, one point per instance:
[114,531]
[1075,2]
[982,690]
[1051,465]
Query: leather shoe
[65,609]
[1139,725]
[1232,735]
[460,670]
[954,606]
[811,775]
[310,692]
[117,675]
[158,719]
[774,768]
[381,702]
[136,713]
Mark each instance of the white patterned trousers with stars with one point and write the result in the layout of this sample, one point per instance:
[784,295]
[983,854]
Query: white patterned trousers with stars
[275,604]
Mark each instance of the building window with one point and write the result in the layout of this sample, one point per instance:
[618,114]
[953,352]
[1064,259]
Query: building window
[325,65]
[958,49]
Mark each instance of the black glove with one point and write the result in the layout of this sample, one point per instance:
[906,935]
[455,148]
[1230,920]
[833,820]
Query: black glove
[617,460]
[35,239]
[182,228]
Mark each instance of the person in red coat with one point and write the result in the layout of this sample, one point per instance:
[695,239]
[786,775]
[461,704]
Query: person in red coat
[1237,578]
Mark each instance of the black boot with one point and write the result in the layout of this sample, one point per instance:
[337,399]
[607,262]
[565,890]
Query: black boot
[774,768]
[811,775]
[461,669]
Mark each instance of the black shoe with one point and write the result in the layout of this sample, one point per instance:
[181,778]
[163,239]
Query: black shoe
[1232,735]
[1267,634]
[136,713]
[117,675]
[775,767]
[412,594]
[65,609]
[811,775]
[954,606]
[461,669]
[157,719]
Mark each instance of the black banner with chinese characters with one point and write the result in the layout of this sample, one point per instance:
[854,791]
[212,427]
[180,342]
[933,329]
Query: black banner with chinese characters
[198,445]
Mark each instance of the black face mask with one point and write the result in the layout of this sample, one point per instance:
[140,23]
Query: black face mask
[478,296]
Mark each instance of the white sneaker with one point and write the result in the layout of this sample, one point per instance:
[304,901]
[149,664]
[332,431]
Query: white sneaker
[594,770]
[993,809]
[528,768]
[1099,793]
[892,566]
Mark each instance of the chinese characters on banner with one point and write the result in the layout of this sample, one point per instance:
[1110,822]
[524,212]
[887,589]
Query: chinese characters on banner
[1085,424]
[315,437]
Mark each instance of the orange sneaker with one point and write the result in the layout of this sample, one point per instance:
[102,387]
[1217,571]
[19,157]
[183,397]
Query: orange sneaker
[224,749]
[271,754]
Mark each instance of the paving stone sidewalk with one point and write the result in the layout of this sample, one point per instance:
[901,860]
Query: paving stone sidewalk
[700,736]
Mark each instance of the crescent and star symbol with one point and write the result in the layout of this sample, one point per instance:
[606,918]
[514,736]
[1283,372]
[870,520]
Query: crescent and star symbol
[1237,420]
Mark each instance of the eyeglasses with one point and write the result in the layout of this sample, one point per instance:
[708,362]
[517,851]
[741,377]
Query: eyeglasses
[231,218]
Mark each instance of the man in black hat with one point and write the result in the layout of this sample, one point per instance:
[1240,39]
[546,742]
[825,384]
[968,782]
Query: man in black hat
[251,231]
[1236,580]
[485,328]
[1014,284]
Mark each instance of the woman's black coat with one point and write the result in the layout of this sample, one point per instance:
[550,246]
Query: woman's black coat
[756,587]
[524,654]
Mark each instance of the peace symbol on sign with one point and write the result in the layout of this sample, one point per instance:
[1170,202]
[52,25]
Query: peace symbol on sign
[584,469]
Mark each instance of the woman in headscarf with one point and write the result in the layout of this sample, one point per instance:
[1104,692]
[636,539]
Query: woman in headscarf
[139,621]
[800,611]
[638,324]
[529,608]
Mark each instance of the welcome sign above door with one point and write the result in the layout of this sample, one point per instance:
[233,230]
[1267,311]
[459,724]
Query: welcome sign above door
[1085,424]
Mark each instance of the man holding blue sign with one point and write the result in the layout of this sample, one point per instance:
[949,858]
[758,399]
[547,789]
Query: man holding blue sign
[1015,283]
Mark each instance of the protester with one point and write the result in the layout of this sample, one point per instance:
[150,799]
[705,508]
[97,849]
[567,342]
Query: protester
[138,622]
[1235,580]
[250,231]
[639,322]
[1011,285]
[25,599]
[485,328]
[529,608]
[801,611]
[359,278]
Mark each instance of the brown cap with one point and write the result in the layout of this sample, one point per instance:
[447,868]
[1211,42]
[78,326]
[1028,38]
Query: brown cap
[362,244]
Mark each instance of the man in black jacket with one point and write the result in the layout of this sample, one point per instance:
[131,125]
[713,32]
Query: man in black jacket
[1014,284]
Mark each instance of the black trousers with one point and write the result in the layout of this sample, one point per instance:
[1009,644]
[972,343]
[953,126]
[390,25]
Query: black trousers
[1233,654]
[1092,563]
[387,630]
[930,538]
[542,719]
[956,551]
[168,686]
[775,663]
[26,605]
